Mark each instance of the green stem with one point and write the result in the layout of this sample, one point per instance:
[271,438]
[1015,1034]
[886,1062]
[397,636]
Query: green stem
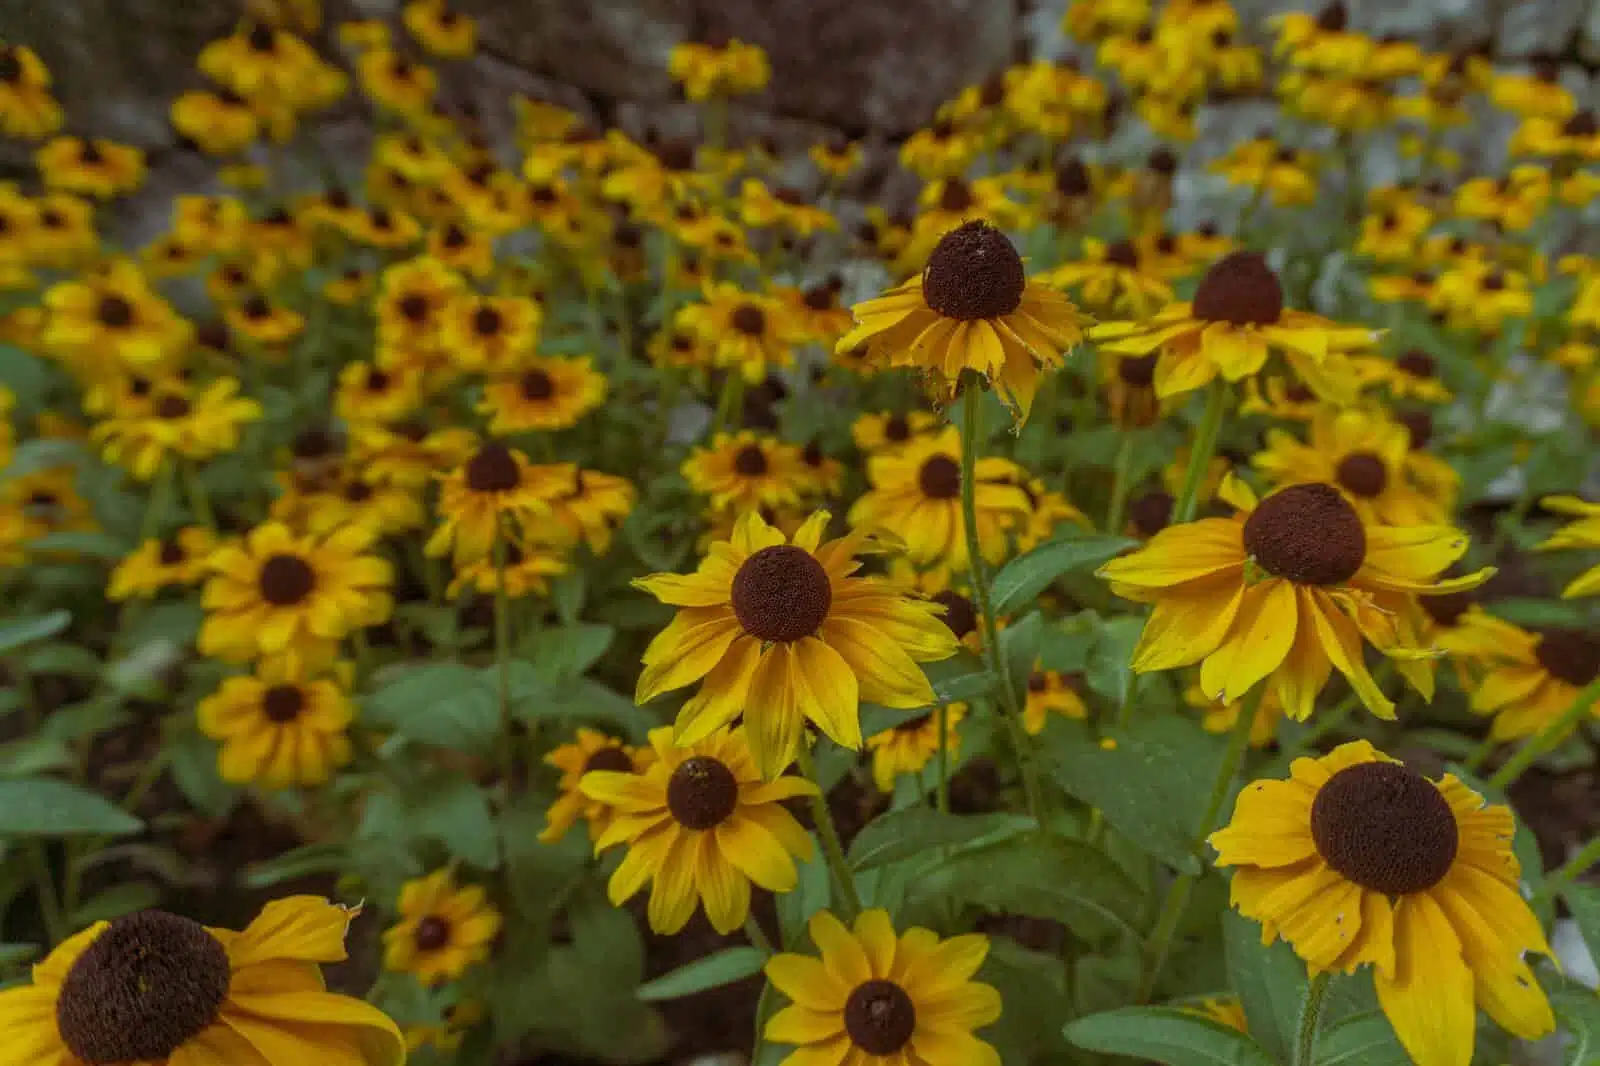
[831,848]
[1119,485]
[1311,1020]
[971,432]
[198,499]
[55,926]
[1545,739]
[1205,446]
[1481,753]
[155,508]
[944,758]
[502,655]
[758,939]
[1177,898]
[1573,869]
[728,402]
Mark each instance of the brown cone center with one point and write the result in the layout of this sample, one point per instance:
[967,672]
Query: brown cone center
[493,469]
[702,793]
[1240,289]
[1570,655]
[781,593]
[286,580]
[940,478]
[1364,474]
[879,1017]
[1385,827]
[974,272]
[1307,534]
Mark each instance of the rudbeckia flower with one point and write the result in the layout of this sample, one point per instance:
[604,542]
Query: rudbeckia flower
[1050,692]
[543,394]
[1285,591]
[747,332]
[972,307]
[495,494]
[908,747]
[701,824]
[219,124]
[888,431]
[153,987]
[719,68]
[1110,280]
[1357,859]
[745,470]
[27,109]
[1531,679]
[589,750]
[443,929]
[279,728]
[1221,717]
[90,166]
[181,559]
[1581,534]
[526,570]
[113,316]
[874,998]
[194,427]
[595,508]
[784,632]
[441,32]
[1364,456]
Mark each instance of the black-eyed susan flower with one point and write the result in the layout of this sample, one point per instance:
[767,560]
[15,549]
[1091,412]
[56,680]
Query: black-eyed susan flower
[876,998]
[524,570]
[396,83]
[1391,235]
[440,31]
[490,332]
[1530,679]
[458,1019]
[182,559]
[835,156]
[353,499]
[1236,318]
[745,470]
[1582,534]
[889,430]
[90,166]
[949,203]
[278,728]
[1220,718]
[27,108]
[940,150]
[1481,297]
[155,987]
[444,928]
[1411,375]
[257,318]
[719,68]
[219,124]
[1357,859]
[972,307]
[1364,455]
[784,208]
[409,454]
[590,750]
[908,747]
[748,332]
[495,494]
[1513,202]
[113,316]
[370,393]
[413,297]
[1285,591]
[595,507]
[1051,692]
[275,594]
[1109,280]
[1536,94]
[783,631]
[195,427]
[915,494]
[47,501]
[542,394]
[460,247]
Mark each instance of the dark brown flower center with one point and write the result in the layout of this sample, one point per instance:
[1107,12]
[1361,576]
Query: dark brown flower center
[149,984]
[432,933]
[1037,682]
[358,492]
[1240,289]
[262,39]
[974,272]
[879,1017]
[940,478]
[1072,178]
[1495,282]
[1138,371]
[1417,363]
[1419,425]
[115,312]
[313,444]
[282,704]
[955,196]
[171,553]
[377,380]
[897,429]
[486,321]
[959,613]
[1307,534]
[749,320]
[1446,610]
[414,307]
[1163,160]
[171,406]
[750,461]
[10,66]
[1123,254]
[1333,18]
[1364,474]
[1570,655]
[781,593]
[1295,392]
[90,153]
[536,385]
[702,792]
[1151,513]
[1581,124]
[1385,827]
[610,759]
[286,580]
[493,469]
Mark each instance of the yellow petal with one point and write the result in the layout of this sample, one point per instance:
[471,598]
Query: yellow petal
[308,928]
[1429,1000]
[1257,643]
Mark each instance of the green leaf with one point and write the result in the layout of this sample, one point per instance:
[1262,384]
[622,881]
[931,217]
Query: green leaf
[455,813]
[42,807]
[812,894]
[582,699]
[37,627]
[193,759]
[961,678]
[916,831]
[1363,1040]
[446,705]
[1150,787]
[305,861]
[1269,981]
[715,970]
[1019,646]
[1110,670]
[116,901]
[1166,1035]
[565,652]
[568,593]
[1584,903]
[33,755]
[1033,986]
[1579,1014]
[86,543]
[1021,580]
[16,954]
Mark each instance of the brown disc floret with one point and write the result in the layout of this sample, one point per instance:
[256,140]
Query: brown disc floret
[1308,534]
[974,272]
[1385,827]
[781,593]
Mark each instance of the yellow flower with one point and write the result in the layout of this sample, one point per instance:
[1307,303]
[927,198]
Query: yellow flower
[761,208]
[412,300]
[113,316]
[1531,679]
[396,83]
[527,571]
[496,493]
[462,248]
[744,470]
[973,308]
[1285,591]
[458,1018]
[1050,692]
[782,630]
[910,746]
[543,394]
[1481,297]
[1412,375]
[491,332]
[278,728]
[941,150]
[746,332]
[90,166]
[1357,859]
[949,203]
[350,498]
[274,594]
[722,68]
[836,157]
[158,564]
[409,454]
[889,431]
[874,998]
[1282,399]
[1095,20]
[65,233]
[195,427]
[700,823]
[443,929]
[590,750]
[1237,317]
[915,494]
[47,501]
[1110,280]
[27,109]
[1286,176]
[219,124]
[442,32]
[154,987]
[1581,534]
[1364,456]
[254,317]
[1391,236]
[1221,717]
[370,393]
[1538,94]
[1513,202]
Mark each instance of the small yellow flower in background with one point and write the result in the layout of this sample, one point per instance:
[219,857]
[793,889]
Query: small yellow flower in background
[543,394]
[527,569]
[113,316]
[1110,280]
[889,430]
[1365,456]
[700,826]
[782,630]
[278,728]
[874,997]
[1412,375]
[910,746]
[1357,859]
[370,393]
[1221,717]
[396,83]
[458,1019]
[1528,680]
[1513,202]
[156,987]
[1050,692]
[1581,534]
[747,332]
[442,32]
[277,595]
[745,470]
[495,493]
[195,428]
[494,333]
[1391,235]
[972,307]
[182,559]
[219,124]
[1286,591]
[90,166]
[27,109]
[1481,297]
[719,68]
[443,929]
[1537,94]
[595,508]
[589,750]
[836,157]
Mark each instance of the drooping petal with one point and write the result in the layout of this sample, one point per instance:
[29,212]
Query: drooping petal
[1429,999]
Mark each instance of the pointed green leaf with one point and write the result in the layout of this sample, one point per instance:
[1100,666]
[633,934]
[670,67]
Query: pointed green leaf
[1166,1035]
[42,807]
[715,970]
[914,831]
[1270,982]
[1363,1040]
[37,627]
[1021,580]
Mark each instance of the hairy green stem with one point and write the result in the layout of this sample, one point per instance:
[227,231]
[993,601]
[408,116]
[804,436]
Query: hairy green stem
[1119,484]
[1305,1045]
[1205,446]
[832,849]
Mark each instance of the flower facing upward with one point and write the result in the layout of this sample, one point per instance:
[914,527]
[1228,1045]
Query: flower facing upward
[152,987]
[1236,318]
[542,394]
[26,107]
[589,750]
[157,564]
[701,824]
[495,493]
[442,930]
[1365,456]
[1580,534]
[1357,859]
[875,999]
[782,631]
[278,727]
[745,470]
[1285,591]
[972,307]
